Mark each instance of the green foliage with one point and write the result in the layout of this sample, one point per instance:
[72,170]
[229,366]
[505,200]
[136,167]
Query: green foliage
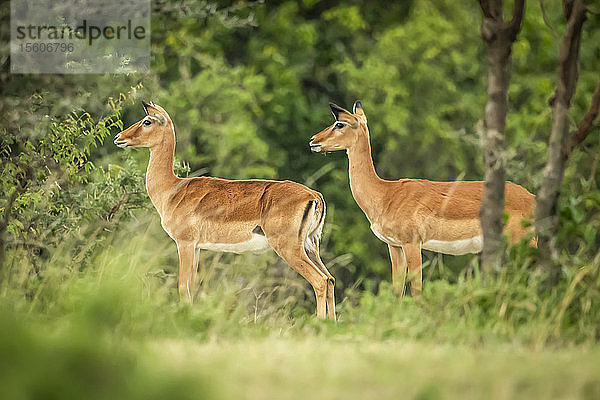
[217,132]
[88,280]
[52,188]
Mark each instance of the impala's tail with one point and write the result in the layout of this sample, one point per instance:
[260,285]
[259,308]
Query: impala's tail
[312,222]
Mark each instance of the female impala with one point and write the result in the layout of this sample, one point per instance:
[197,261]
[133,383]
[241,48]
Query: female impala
[414,214]
[233,216]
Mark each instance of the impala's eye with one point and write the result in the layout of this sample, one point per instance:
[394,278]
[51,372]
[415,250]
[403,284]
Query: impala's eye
[339,125]
[147,122]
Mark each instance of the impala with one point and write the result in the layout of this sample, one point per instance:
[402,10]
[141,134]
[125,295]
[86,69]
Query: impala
[230,215]
[414,214]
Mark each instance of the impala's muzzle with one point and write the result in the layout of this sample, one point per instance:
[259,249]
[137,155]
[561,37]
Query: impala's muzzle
[315,148]
[119,142]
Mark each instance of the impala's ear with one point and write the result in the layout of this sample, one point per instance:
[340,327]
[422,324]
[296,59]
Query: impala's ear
[336,110]
[357,110]
[156,111]
[161,118]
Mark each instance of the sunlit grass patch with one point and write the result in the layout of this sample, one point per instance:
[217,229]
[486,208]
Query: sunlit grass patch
[330,369]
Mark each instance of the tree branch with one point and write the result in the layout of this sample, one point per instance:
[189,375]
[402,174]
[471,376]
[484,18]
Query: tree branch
[517,18]
[124,199]
[569,52]
[585,125]
[568,8]
[547,20]
[486,8]
[546,209]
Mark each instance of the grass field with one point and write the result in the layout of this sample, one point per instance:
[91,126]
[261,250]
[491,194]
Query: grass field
[296,368]
[112,327]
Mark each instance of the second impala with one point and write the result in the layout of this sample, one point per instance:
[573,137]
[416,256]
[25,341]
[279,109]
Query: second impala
[414,214]
[231,215]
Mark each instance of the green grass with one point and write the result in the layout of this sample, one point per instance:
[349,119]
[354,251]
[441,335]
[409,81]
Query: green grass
[112,327]
[296,368]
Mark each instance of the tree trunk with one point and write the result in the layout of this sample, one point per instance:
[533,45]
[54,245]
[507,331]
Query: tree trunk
[499,37]
[561,143]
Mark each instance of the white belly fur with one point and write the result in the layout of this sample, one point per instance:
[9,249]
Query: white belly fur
[456,247]
[386,239]
[257,244]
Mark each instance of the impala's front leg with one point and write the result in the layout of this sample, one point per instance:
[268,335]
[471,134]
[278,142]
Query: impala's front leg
[415,267]
[187,270]
[398,269]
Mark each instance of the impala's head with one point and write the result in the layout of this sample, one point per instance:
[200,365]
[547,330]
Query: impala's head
[153,130]
[344,132]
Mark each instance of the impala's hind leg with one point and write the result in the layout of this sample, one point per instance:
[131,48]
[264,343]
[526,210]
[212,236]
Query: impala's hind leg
[288,237]
[516,229]
[289,245]
[297,258]
[312,250]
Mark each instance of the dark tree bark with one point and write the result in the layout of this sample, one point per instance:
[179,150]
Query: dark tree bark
[499,36]
[561,142]
[586,124]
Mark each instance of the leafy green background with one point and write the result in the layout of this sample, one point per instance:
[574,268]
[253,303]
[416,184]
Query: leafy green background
[247,84]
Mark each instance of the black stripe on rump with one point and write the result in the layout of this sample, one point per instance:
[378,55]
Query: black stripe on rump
[306,210]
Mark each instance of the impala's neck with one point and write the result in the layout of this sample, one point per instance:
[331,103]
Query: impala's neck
[364,181]
[160,177]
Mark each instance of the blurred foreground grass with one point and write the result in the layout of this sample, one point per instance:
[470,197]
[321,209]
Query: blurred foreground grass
[112,327]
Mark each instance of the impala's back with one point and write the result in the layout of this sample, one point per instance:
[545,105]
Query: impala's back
[447,212]
[216,212]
